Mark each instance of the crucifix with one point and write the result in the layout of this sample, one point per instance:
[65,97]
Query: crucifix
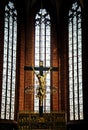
[42,83]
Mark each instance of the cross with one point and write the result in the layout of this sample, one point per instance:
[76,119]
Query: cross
[41,68]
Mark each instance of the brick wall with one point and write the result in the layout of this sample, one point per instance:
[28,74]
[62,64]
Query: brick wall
[26,100]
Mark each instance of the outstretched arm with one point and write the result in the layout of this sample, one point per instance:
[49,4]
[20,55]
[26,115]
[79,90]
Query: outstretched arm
[47,72]
[34,70]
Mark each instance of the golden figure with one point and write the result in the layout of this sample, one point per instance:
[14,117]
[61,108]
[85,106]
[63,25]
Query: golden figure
[42,84]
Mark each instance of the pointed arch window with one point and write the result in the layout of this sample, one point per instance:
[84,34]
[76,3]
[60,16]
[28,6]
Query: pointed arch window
[43,52]
[75,63]
[9,62]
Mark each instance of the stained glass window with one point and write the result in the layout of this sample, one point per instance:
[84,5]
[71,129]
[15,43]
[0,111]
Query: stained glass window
[9,62]
[42,52]
[75,63]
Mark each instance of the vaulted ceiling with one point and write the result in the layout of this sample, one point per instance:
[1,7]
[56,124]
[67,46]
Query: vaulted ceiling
[58,4]
[54,5]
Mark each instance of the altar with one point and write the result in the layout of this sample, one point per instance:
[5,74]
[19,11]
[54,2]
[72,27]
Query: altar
[49,121]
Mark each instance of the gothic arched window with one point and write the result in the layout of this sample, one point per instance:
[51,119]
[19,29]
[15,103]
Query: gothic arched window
[42,52]
[75,63]
[9,62]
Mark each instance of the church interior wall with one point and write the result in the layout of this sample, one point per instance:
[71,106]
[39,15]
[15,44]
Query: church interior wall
[25,56]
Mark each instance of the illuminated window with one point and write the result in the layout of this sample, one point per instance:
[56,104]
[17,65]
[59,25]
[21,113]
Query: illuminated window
[42,52]
[9,62]
[75,63]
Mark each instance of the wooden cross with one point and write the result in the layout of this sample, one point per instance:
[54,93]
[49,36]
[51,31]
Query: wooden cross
[41,68]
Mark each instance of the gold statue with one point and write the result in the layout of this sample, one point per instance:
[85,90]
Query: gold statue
[42,84]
